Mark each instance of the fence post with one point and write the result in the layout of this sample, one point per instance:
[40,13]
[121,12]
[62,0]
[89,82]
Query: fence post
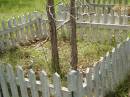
[75,84]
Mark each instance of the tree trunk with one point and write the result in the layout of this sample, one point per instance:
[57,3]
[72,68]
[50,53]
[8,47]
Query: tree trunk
[53,35]
[73,42]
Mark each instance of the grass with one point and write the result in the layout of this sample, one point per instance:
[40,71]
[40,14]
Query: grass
[40,55]
[123,90]
[9,8]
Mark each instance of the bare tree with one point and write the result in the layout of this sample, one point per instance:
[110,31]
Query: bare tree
[53,35]
[74,52]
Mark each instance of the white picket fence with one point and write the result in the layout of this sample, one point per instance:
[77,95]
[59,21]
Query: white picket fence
[97,81]
[92,6]
[101,24]
[22,30]
[92,28]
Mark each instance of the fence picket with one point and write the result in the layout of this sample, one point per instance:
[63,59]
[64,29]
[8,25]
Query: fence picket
[22,38]
[75,84]
[57,85]
[97,86]
[31,27]
[103,76]
[12,81]
[21,80]
[3,83]
[44,84]
[38,29]
[89,82]
[32,79]
[4,35]
[11,34]
[128,52]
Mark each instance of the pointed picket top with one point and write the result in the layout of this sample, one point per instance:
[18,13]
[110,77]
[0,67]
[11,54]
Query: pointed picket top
[113,50]
[21,80]
[32,79]
[57,85]
[44,84]
[71,77]
[118,45]
[75,83]
[107,54]
[127,39]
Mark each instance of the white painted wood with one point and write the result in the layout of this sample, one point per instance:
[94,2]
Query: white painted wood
[122,62]
[14,39]
[15,24]
[75,84]
[21,81]
[31,27]
[125,58]
[32,79]
[57,85]
[103,77]
[97,87]
[4,35]
[12,81]
[11,34]
[118,62]
[109,71]
[39,28]
[114,67]
[89,82]
[44,84]
[21,30]
[3,83]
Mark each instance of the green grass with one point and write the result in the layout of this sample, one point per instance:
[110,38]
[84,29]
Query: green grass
[10,8]
[123,90]
[88,53]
